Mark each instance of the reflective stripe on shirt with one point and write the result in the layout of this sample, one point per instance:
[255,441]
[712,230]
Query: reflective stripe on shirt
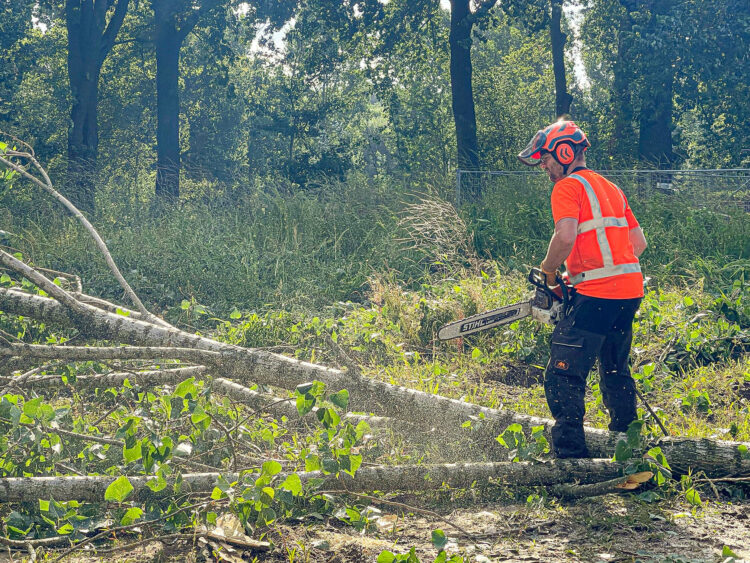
[599,224]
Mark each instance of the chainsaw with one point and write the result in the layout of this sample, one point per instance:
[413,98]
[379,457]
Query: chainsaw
[547,305]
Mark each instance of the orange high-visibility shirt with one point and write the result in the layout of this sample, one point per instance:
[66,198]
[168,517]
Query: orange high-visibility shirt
[602,262]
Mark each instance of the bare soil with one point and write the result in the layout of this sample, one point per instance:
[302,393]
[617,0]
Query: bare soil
[602,529]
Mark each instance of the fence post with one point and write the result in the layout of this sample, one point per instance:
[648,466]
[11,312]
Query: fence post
[458,188]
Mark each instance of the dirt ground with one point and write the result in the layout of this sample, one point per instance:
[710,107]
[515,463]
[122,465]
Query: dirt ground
[606,529]
[600,529]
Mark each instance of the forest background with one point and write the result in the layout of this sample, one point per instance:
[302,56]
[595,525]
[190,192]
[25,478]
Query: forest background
[328,116]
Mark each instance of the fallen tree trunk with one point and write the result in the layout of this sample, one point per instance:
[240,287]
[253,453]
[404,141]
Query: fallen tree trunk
[714,457]
[382,478]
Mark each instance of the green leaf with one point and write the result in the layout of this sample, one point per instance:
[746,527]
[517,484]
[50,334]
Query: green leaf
[271,468]
[199,415]
[305,404]
[355,461]
[341,399]
[157,484]
[217,494]
[186,387]
[268,515]
[118,490]
[122,312]
[476,353]
[312,463]
[30,407]
[438,539]
[235,314]
[131,516]
[66,529]
[726,551]
[133,453]
[293,484]
[386,557]
[623,452]
[693,497]
[185,305]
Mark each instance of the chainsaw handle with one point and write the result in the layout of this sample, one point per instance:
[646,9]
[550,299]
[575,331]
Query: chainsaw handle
[539,280]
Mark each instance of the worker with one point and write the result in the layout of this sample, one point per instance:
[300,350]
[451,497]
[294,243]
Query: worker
[599,241]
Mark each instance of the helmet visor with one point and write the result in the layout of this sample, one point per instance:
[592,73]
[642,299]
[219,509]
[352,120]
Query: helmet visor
[532,155]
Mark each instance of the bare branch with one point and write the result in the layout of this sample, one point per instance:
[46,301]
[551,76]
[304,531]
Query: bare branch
[47,186]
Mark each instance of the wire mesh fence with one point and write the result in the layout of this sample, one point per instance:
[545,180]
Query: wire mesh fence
[716,189]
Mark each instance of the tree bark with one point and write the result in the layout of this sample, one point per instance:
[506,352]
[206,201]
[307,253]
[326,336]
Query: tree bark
[381,478]
[563,99]
[715,457]
[90,39]
[168,43]
[173,21]
[622,142]
[655,121]
[461,88]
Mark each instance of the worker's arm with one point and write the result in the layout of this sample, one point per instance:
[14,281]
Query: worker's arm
[638,240]
[560,245]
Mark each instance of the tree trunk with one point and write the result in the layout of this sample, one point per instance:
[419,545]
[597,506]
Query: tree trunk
[90,39]
[622,142]
[655,135]
[461,87]
[382,478]
[562,98]
[715,457]
[168,43]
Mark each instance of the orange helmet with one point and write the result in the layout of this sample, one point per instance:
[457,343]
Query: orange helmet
[559,139]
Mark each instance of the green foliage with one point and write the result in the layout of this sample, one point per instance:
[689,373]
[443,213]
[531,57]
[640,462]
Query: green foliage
[439,540]
[514,439]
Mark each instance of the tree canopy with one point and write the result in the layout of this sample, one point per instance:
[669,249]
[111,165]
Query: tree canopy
[217,90]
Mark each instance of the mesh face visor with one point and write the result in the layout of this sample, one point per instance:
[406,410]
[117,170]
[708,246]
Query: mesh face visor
[532,155]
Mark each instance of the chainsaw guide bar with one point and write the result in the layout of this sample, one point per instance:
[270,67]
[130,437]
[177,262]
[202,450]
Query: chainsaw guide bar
[484,321]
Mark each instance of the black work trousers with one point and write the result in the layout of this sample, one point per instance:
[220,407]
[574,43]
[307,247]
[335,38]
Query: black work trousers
[593,328]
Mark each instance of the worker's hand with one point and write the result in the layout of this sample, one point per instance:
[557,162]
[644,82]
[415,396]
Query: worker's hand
[550,278]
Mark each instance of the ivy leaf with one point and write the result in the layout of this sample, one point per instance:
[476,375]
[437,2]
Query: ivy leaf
[438,539]
[131,516]
[386,557]
[132,453]
[293,484]
[341,399]
[270,468]
[623,452]
[186,387]
[118,490]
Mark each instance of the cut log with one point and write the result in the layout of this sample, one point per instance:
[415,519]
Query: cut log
[714,457]
[382,478]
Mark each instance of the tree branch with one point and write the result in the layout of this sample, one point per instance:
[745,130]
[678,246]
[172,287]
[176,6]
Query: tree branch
[192,20]
[113,28]
[481,12]
[47,186]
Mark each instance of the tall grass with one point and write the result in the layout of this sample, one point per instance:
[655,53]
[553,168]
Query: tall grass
[247,249]
[265,246]
[513,224]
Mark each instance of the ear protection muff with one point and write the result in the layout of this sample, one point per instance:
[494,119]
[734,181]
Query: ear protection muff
[564,153]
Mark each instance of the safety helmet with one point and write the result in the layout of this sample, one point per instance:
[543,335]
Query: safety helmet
[559,139]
